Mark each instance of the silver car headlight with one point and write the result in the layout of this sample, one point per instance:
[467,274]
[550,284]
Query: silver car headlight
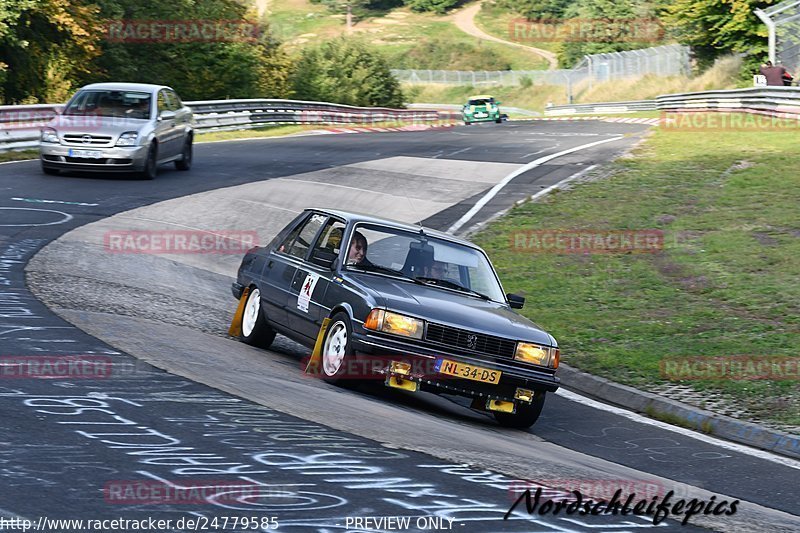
[129,138]
[49,135]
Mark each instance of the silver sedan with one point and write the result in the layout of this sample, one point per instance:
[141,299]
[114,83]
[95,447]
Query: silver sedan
[119,127]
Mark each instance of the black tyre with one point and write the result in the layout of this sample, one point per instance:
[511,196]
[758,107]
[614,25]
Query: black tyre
[255,329]
[50,171]
[526,415]
[151,164]
[185,162]
[337,349]
[467,123]
[499,120]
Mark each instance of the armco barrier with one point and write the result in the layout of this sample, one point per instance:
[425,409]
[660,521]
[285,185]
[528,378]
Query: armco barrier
[20,125]
[775,101]
[602,107]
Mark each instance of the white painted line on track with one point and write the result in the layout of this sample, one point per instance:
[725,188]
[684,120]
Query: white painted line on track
[505,181]
[39,201]
[630,415]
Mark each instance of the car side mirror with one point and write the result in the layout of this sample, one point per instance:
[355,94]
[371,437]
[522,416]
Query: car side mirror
[515,301]
[324,258]
[166,115]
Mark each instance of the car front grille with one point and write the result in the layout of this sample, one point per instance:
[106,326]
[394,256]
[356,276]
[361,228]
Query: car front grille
[87,139]
[468,340]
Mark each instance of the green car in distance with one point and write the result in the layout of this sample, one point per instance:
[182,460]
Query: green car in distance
[482,108]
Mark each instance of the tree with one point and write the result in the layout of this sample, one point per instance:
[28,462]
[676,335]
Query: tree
[716,27]
[345,71]
[606,26]
[243,65]
[536,9]
[436,6]
[44,46]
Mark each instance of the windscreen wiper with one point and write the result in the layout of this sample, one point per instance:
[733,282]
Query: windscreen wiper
[451,285]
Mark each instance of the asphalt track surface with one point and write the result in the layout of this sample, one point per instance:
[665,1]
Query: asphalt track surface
[72,446]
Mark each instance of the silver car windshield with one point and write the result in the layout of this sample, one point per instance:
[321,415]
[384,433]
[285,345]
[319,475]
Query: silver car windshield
[422,258]
[118,104]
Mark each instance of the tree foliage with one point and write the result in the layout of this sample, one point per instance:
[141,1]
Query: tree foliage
[717,27]
[345,71]
[436,6]
[44,46]
[536,9]
[610,26]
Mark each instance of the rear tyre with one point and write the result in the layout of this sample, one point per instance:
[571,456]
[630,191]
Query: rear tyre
[151,164]
[185,162]
[467,123]
[499,120]
[526,415]
[255,329]
[337,349]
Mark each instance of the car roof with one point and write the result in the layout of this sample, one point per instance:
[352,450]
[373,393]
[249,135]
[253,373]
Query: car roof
[353,217]
[122,86]
[481,97]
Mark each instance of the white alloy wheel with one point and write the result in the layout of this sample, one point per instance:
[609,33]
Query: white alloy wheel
[251,309]
[335,348]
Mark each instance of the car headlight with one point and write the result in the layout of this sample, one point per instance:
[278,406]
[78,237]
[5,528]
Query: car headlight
[129,138]
[537,355]
[394,323]
[49,135]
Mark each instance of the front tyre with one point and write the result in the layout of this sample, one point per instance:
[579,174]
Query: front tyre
[151,164]
[185,162]
[526,415]
[255,329]
[337,348]
[50,171]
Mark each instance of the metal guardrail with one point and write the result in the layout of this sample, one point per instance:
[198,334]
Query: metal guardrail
[776,101]
[773,101]
[602,107]
[20,125]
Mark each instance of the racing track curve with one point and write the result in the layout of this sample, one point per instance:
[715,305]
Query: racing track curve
[158,308]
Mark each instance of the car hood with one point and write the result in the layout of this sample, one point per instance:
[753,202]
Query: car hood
[96,125]
[451,308]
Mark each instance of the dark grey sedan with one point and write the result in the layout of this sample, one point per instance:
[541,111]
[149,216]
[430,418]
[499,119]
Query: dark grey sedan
[416,308]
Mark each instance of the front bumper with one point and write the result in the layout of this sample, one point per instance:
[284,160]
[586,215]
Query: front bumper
[113,158]
[482,117]
[422,360]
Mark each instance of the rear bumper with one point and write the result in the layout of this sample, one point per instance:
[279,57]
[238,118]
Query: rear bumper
[113,159]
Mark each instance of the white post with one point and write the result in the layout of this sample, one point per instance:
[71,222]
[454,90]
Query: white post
[771,29]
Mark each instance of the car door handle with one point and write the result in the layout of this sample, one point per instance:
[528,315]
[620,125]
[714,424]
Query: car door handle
[269,265]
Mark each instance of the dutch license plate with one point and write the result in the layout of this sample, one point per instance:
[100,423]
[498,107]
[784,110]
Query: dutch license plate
[86,154]
[481,115]
[461,370]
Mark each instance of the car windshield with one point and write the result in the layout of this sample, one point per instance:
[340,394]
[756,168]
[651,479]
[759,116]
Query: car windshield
[119,104]
[481,101]
[423,259]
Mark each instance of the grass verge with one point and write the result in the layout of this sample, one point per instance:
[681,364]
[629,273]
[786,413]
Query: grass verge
[724,285]
[18,155]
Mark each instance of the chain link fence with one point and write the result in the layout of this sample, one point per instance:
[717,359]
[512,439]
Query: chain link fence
[786,20]
[667,60]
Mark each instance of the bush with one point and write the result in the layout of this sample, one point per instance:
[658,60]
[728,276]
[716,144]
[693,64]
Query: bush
[345,71]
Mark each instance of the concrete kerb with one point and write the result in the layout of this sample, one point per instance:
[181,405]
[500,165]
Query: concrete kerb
[695,418]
